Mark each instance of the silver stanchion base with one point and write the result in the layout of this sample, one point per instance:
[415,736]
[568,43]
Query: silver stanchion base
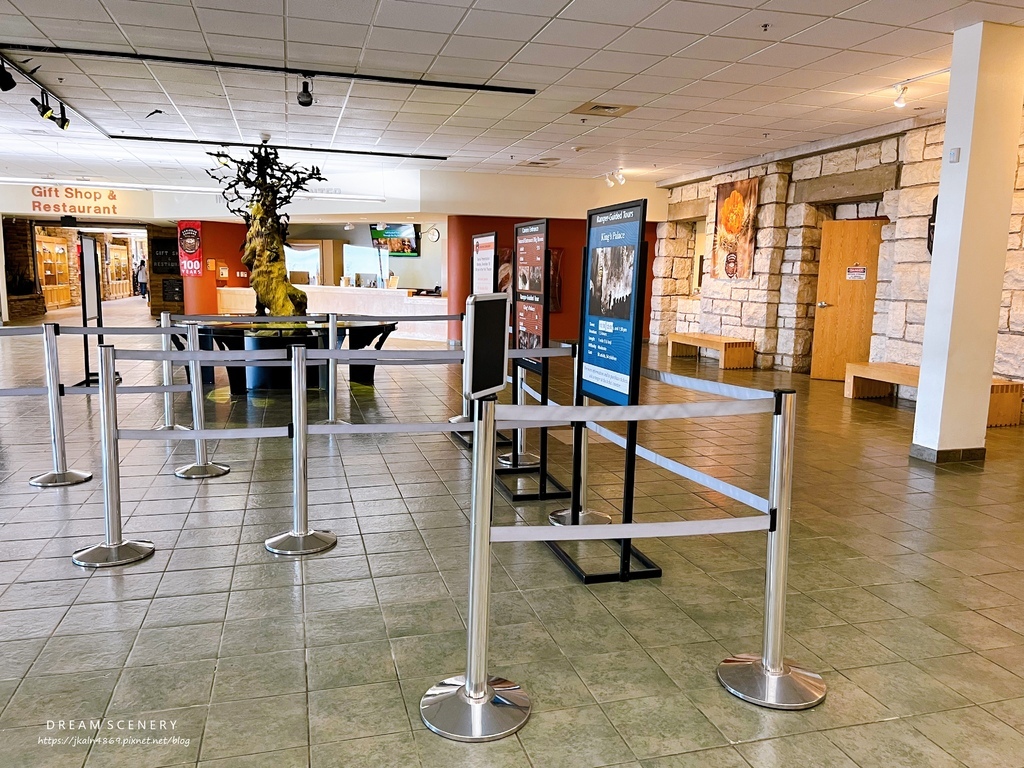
[171,427]
[460,419]
[292,543]
[106,555]
[449,712]
[57,479]
[796,688]
[587,517]
[202,471]
[525,460]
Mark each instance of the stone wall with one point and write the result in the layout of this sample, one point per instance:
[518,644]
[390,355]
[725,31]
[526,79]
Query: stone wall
[776,307]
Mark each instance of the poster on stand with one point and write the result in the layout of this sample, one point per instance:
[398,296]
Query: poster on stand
[485,263]
[190,248]
[611,322]
[530,283]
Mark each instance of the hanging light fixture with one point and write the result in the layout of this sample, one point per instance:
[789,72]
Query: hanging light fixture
[901,92]
[42,105]
[6,78]
[62,122]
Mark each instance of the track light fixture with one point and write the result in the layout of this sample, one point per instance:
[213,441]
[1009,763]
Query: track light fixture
[349,226]
[42,105]
[619,177]
[901,92]
[6,78]
[305,96]
[62,122]
[608,180]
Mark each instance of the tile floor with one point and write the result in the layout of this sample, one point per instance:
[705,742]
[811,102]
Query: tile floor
[906,585]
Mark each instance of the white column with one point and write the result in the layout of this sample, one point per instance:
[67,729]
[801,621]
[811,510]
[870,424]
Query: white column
[983,128]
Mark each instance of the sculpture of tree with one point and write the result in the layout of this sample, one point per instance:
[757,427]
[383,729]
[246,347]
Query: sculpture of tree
[257,188]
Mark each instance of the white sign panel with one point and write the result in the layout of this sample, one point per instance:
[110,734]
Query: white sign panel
[40,200]
[484,264]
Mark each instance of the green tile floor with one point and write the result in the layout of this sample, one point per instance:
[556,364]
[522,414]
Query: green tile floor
[906,584]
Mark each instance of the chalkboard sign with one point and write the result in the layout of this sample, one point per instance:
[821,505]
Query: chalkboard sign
[173,290]
[163,256]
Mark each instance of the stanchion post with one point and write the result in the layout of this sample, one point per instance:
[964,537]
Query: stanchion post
[475,707]
[300,540]
[203,468]
[332,370]
[583,515]
[60,475]
[168,376]
[519,457]
[771,680]
[114,550]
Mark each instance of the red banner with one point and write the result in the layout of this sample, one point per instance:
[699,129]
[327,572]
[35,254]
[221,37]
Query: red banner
[190,248]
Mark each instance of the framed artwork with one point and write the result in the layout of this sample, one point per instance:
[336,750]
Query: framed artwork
[735,232]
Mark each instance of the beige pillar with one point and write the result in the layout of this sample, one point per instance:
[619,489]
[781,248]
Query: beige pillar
[983,126]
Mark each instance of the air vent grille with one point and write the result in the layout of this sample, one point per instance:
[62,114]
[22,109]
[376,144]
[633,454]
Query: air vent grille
[602,110]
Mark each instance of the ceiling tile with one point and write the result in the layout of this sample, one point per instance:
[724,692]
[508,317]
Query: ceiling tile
[326,33]
[833,32]
[509,26]
[400,14]
[551,55]
[579,33]
[467,47]
[405,40]
[781,26]
[611,11]
[727,49]
[653,41]
[348,11]
[613,61]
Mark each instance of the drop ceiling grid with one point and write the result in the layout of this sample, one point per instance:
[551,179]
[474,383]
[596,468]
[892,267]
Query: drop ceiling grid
[686,65]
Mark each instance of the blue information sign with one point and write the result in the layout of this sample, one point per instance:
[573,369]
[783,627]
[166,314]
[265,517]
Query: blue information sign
[613,299]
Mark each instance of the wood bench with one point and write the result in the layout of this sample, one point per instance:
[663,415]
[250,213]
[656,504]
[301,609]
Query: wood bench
[868,380]
[735,353]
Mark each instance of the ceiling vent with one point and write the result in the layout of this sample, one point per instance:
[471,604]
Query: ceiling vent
[602,110]
[544,162]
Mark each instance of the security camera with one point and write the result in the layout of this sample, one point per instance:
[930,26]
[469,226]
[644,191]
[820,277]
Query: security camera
[305,96]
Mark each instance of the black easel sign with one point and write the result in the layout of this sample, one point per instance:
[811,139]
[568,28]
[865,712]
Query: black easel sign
[613,299]
[485,263]
[531,285]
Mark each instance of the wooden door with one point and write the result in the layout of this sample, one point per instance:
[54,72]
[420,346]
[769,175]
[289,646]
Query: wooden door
[847,276]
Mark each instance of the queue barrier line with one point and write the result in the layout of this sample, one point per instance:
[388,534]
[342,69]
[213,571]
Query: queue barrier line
[26,330]
[517,533]
[566,414]
[215,356]
[389,357]
[131,389]
[23,391]
[240,433]
[398,318]
[248,318]
[734,492]
[705,385]
[111,330]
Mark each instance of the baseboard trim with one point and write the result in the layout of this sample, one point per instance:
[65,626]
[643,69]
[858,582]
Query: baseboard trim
[946,455]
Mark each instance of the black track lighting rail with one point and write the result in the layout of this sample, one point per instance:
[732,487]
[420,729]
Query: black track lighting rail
[300,71]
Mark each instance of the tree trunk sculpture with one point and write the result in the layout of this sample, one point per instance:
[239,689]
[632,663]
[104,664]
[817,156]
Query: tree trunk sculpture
[257,188]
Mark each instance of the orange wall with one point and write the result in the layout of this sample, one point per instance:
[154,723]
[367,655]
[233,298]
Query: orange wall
[223,242]
[569,234]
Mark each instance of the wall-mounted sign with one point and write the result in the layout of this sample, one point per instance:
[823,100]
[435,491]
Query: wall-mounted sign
[190,248]
[735,206]
[614,271]
[85,202]
[163,256]
[485,263]
[856,272]
[531,285]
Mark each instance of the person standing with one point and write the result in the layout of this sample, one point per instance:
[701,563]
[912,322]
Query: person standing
[143,278]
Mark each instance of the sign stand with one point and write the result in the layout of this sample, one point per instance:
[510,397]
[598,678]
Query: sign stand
[531,275]
[92,304]
[608,368]
[485,280]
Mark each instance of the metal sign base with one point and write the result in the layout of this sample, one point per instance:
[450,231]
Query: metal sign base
[58,479]
[449,712]
[202,471]
[511,494]
[648,570]
[106,555]
[587,517]
[745,676]
[525,460]
[292,543]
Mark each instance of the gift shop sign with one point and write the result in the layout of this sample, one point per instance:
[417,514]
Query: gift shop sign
[82,201]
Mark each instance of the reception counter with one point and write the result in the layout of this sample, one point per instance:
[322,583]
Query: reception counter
[354,301]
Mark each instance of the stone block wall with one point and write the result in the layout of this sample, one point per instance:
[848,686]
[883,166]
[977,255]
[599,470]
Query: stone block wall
[776,307]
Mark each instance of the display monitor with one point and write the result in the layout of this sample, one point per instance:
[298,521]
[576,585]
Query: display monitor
[486,343]
[399,240]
